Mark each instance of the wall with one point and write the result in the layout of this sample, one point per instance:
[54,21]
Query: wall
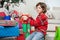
[54,7]
[54,3]
[31,6]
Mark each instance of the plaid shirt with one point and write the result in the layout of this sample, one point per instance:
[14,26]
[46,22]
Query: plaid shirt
[41,18]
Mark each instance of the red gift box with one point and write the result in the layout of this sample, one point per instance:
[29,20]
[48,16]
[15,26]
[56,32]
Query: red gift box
[21,37]
[2,14]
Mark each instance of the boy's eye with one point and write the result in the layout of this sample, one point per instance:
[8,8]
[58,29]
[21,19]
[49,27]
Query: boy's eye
[39,7]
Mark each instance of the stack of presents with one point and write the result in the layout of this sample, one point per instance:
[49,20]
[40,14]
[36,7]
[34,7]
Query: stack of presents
[25,28]
[11,28]
[8,28]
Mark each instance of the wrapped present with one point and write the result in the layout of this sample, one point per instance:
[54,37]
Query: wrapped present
[57,34]
[20,25]
[28,27]
[9,31]
[7,18]
[28,30]
[27,34]
[24,27]
[2,14]
[21,37]
[1,18]
[7,23]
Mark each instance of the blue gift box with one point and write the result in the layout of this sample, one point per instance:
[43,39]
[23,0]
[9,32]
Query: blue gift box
[7,18]
[9,31]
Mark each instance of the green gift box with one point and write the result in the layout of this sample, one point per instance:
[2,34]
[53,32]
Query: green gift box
[27,34]
[28,27]
[24,27]
[57,34]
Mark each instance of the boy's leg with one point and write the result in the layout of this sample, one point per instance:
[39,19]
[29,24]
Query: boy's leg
[38,36]
[31,36]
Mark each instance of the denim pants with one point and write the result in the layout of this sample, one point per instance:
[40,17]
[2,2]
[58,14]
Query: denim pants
[36,36]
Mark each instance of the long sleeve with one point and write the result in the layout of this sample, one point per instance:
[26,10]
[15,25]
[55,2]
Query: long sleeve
[43,28]
[38,24]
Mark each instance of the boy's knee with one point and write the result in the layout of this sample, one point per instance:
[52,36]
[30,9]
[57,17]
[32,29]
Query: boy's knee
[40,34]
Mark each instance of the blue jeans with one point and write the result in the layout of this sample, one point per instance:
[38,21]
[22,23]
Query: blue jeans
[36,36]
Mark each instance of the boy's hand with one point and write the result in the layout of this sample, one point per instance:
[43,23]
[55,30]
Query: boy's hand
[40,30]
[29,15]
[24,17]
[43,30]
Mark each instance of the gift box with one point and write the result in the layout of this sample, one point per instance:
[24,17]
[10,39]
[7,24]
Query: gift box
[7,18]
[57,34]
[1,18]
[7,23]
[20,25]
[21,37]
[9,31]
[27,34]
[26,27]
[2,14]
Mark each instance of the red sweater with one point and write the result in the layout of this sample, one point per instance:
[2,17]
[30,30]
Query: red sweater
[38,24]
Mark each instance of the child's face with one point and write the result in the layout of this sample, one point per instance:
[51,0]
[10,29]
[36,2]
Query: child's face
[39,9]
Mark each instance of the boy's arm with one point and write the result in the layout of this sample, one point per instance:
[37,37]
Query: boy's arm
[44,27]
[31,21]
